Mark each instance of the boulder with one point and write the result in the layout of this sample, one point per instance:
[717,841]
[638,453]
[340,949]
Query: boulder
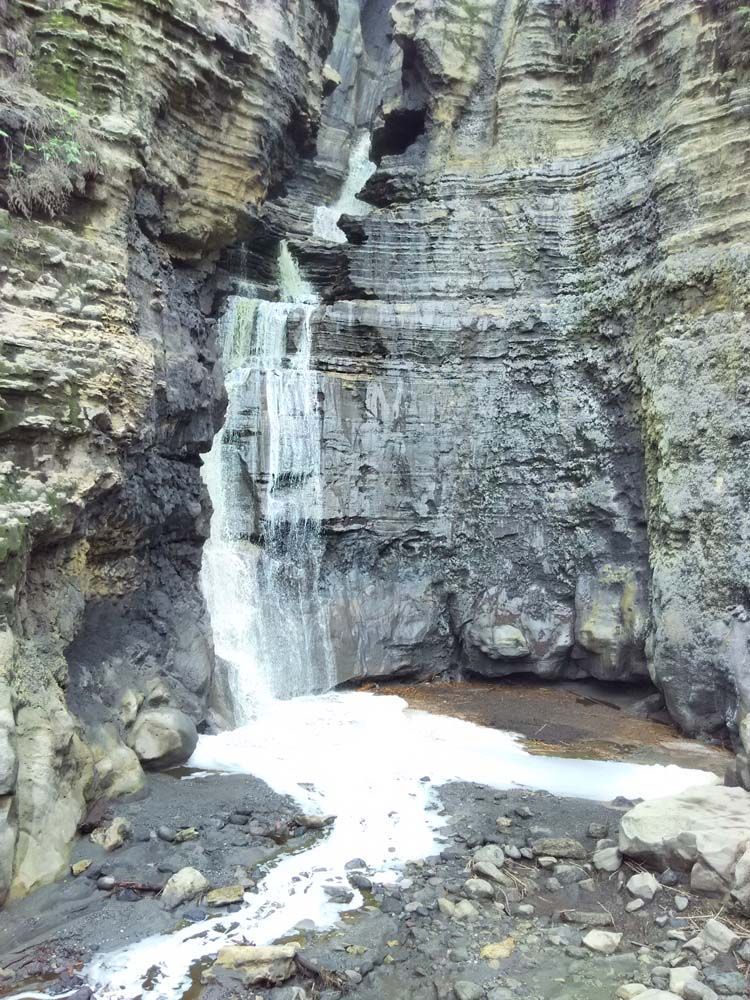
[706,829]
[251,966]
[163,737]
[478,888]
[466,990]
[491,853]
[681,976]
[658,995]
[677,831]
[185,884]
[718,936]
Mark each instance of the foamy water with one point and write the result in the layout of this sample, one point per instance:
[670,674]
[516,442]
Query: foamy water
[362,758]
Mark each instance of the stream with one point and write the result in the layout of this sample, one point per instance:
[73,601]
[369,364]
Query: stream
[368,760]
[374,764]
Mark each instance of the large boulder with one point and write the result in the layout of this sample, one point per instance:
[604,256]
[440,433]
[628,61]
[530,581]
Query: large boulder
[707,827]
[163,737]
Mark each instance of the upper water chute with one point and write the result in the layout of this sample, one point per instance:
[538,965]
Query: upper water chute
[261,565]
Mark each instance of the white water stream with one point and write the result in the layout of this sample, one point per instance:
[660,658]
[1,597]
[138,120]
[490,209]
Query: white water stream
[361,168]
[366,759]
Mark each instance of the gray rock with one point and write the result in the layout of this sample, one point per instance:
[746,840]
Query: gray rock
[560,847]
[465,990]
[608,859]
[183,886]
[163,737]
[643,885]
[478,888]
[602,942]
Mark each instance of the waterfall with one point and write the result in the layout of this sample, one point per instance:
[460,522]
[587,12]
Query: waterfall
[261,565]
[360,169]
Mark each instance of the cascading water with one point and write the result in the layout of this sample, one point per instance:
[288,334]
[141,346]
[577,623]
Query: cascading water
[261,565]
[361,168]
[358,756]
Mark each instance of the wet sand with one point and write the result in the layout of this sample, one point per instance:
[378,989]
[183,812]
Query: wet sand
[576,719]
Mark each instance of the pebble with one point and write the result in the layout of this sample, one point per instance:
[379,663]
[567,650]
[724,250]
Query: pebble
[597,830]
[634,905]
[478,888]
[603,942]
[105,882]
[643,885]
[166,833]
[608,859]
[681,903]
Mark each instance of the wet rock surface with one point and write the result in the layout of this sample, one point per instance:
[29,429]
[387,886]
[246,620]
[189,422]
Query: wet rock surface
[547,928]
[137,141]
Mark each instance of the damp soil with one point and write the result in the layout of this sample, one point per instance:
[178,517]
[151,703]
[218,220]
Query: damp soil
[584,719]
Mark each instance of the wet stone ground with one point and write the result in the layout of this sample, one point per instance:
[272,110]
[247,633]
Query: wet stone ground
[435,934]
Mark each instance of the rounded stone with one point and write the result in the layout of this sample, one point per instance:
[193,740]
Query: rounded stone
[163,737]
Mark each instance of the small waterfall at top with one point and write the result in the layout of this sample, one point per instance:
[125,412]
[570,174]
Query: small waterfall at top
[261,565]
[361,168]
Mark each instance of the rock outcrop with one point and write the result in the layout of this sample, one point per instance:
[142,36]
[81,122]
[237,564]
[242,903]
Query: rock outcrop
[137,141]
[703,830]
[531,354]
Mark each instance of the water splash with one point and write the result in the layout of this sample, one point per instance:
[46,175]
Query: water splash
[360,169]
[261,565]
[363,758]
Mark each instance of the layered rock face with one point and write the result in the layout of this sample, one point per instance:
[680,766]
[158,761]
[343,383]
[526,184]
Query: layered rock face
[532,360]
[137,140]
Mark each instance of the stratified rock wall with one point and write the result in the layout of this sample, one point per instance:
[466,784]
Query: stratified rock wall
[138,139]
[533,359]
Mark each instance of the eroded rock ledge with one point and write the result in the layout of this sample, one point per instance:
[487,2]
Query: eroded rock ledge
[138,138]
[532,354]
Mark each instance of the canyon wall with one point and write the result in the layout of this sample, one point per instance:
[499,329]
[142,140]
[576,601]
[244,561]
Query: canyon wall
[531,351]
[532,356]
[138,139]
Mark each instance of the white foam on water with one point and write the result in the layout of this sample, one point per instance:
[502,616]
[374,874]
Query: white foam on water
[262,562]
[362,758]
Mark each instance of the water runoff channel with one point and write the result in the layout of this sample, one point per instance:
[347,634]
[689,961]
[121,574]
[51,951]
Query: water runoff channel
[357,756]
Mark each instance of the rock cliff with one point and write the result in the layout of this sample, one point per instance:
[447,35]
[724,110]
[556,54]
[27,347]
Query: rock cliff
[531,353]
[138,139]
[532,357]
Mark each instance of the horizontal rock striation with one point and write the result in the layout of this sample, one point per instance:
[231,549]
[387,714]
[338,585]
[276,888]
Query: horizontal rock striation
[139,139]
[532,372]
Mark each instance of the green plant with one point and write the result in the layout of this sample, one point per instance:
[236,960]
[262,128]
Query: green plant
[584,33]
[50,158]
